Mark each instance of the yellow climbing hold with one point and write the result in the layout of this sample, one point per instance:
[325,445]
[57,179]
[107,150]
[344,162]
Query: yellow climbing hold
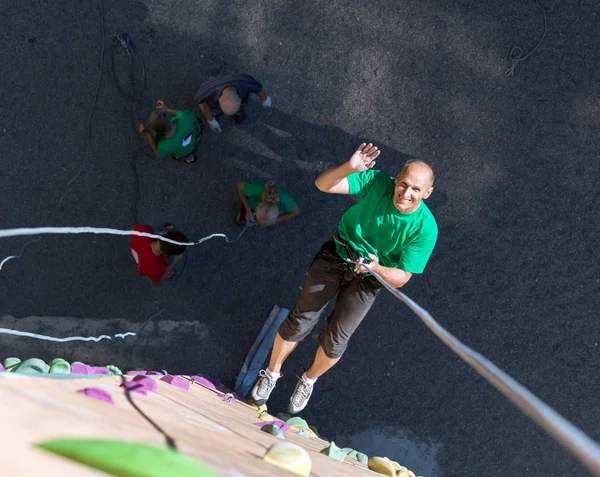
[289,456]
[406,473]
[265,416]
[381,465]
[259,408]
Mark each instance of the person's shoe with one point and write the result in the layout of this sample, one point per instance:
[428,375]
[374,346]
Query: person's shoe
[240,116]
[263,387]
[301,395]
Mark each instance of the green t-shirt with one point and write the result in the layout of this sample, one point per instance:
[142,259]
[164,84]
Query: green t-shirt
[183,141]
[254,189]
[374,225]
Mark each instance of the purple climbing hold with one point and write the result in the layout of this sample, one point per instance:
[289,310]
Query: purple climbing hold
[157,373]
[176,381]
[132,386]
[2,368]
[282,425]
[97,393]
[77,368]
[204,382]
[136,373]
[99,370]
[149,384]
[228,397]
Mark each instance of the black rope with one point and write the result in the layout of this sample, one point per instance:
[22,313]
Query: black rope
[168,439]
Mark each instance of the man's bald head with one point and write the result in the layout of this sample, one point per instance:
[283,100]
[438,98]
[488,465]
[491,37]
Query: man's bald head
[415,166]
[230,102]
[414,183]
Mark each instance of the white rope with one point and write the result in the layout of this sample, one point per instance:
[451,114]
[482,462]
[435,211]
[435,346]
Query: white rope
[571,437]
[94,230]
[64,340]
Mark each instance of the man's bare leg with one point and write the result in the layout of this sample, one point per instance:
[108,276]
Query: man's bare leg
[281,350]
[320,365]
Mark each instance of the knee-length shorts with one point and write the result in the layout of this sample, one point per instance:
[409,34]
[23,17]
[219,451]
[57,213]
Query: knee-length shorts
[328,276]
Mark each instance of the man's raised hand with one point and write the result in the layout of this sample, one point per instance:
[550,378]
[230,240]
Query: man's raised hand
[364,157]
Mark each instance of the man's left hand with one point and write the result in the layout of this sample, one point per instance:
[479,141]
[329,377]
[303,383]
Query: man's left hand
[372,265]
[267,102]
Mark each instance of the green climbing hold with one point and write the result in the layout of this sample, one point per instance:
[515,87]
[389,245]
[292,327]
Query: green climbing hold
[334,451]
[128,459]
[11,363]
[273,430]
[59,366]
[359,456]
[303,432]
[298,421]
[114,370]
[32,366]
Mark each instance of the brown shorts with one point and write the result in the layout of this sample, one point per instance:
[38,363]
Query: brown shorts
[329,275]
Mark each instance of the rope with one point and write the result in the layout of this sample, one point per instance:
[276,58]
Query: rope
[64,340]
[516,53]
[571,437]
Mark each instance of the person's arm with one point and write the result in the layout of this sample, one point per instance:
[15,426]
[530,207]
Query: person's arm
[160,104]
[334,180]
[288,215]
[244,199]
[213,124]
[396,277]
[144,130]
[170,268]
[206,112]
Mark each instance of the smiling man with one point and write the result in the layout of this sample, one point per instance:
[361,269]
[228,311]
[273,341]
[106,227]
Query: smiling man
[391,226]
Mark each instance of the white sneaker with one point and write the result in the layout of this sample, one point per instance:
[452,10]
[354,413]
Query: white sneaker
[300,398]
[263,387]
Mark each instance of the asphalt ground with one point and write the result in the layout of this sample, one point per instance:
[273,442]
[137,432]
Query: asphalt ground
[515,271]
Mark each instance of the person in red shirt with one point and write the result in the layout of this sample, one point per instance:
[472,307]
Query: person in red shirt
[151,254]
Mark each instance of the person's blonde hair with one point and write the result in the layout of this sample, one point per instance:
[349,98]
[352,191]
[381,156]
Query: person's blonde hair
[268,210]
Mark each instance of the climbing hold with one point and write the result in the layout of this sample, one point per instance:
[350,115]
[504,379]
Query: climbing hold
[32,366]
[273,430]
[359,456]
[128,458]
[289,456]
[283,416]
[11,363]
[132,386]
[97,393]
[148,383]
[99,370]
[60,366]
[282,425]
[334,451]
[297,421]
[176,381]
[315,430]
[80,368]
[136,373]
[114,370]
[381,465]
[228,397]
[406,473]
[303,432]
[307,430]
[203,382]
[2,368]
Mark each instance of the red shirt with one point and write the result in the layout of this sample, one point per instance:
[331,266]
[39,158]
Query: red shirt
[148,264]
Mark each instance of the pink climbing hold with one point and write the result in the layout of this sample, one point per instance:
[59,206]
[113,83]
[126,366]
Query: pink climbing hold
[132,386]
[2,368]
[176,381]
[282,425]
[204,382]
[80,369]
[136,373]
[149,384]
[99,370]
[97,393]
